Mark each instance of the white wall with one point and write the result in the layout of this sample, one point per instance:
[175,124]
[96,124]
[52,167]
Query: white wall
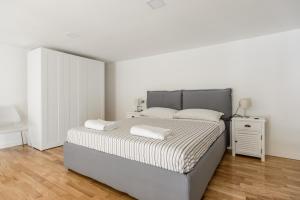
[267,69]
[13,86]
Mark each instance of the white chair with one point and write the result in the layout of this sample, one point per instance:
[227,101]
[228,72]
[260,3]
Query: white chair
[11,122]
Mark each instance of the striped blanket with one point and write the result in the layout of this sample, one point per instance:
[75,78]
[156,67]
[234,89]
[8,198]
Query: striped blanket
[179,152]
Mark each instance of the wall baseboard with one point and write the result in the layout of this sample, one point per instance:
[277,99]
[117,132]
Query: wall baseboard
[11,140]
[285,155]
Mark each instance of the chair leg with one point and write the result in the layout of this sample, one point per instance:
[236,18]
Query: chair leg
[22,138]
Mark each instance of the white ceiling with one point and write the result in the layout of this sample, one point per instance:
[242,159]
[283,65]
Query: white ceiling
[122,29]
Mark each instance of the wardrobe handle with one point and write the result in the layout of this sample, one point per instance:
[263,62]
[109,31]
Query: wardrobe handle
[248,126]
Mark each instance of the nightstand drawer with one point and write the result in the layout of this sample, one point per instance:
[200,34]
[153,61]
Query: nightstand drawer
[248,126]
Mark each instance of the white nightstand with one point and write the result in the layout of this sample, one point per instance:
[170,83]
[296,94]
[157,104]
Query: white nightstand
[133,114]
[248,136]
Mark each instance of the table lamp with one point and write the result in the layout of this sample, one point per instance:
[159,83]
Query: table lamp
[245,103]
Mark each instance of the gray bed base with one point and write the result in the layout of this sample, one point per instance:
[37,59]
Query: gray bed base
[144,181]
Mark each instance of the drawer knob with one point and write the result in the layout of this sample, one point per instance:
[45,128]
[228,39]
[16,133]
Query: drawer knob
[247,126]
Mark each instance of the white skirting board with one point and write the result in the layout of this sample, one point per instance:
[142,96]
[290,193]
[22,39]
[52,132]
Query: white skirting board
[12,139]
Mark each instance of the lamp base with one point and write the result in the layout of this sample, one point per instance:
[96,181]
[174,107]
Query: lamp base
[245,114]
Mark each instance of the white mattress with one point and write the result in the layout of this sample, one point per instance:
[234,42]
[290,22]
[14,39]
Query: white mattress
[179,152]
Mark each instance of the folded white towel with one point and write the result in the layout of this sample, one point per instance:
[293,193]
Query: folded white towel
[100,125]
[150,131]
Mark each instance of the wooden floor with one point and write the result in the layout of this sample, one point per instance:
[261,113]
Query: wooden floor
[26,173]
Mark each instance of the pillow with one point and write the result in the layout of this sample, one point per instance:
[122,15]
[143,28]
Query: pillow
[158,112]
[204,114]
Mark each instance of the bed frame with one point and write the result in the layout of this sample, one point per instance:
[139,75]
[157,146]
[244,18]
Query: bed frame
[147,182]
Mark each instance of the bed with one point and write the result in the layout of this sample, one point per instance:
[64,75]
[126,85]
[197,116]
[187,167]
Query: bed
[153,177]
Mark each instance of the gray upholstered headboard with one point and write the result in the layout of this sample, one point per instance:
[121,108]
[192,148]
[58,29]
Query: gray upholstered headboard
[165,99]
[218,100]
[214,99]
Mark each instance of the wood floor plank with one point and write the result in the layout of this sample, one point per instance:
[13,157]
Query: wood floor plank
[26,173]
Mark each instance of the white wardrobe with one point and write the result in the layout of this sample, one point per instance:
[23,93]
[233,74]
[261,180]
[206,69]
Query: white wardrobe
[63,91]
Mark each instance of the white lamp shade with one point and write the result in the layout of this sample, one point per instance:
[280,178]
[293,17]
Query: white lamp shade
[245,103]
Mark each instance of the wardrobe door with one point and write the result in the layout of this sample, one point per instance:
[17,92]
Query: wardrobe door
[34,98]
[95,88]
[82,90]
[73,91]
[54,62]
[64,98]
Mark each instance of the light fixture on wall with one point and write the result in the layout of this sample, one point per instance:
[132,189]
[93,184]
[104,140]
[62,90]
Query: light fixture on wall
[156,4]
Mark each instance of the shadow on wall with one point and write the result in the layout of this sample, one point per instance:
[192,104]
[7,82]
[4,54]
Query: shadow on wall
[110,91]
